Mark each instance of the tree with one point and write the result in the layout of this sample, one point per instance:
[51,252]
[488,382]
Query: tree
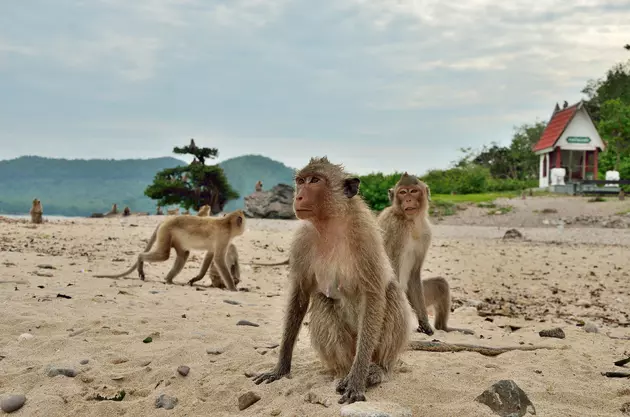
[614,127]
[616,84]
[524,159]
[193,185]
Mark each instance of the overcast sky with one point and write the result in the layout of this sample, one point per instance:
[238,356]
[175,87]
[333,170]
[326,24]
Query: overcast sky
[379,85]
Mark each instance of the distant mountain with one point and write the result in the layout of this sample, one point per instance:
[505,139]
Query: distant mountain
[80,187]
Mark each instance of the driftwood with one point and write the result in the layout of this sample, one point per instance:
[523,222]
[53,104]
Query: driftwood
[437,346]
[622,362]
[285,262]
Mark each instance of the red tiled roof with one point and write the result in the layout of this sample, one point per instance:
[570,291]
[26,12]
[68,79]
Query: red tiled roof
[555,127]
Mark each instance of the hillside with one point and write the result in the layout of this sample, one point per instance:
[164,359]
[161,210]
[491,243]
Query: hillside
[80,187]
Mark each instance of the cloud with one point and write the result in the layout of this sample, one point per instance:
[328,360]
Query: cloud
[379,84]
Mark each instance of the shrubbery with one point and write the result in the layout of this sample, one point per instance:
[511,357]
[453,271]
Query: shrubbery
[471,179]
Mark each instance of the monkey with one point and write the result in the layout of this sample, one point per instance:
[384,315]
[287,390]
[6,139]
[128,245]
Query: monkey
[184,233]
[186,213]
[407,236]
[360,319]
[204,211]
[259,186]
[113,211]
[158,211]
[173,212]
[232,262]
[126,211]
[37,212]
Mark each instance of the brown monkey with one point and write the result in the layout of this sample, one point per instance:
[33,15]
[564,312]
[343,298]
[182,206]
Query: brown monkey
[204,211]
[37,212]
[126,211]
[173,212]
[231,260]
[359,316]
[158,211]
[113,211]
[259,186]
[184,233]
[407,236]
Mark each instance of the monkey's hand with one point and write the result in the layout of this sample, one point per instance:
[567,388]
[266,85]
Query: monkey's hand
[352,391]
[268,377]
[425,328]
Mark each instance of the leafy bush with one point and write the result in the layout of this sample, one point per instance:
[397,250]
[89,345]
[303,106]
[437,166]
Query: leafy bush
[470,179]
[374,188]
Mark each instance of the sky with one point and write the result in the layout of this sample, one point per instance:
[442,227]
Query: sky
[378,85]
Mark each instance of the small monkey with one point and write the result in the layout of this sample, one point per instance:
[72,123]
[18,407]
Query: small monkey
[359,316]
[173,212]
[113,211]
[204,211]
[407,236]
[126,211]
[37,212]
[231,260]
[259,186]
[158,211]
[185,233]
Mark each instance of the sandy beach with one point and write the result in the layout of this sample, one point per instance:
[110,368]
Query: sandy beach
[555,277]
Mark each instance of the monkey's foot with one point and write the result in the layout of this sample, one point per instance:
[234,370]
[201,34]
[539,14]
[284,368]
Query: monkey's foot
[193,280]
[425,328]
[269,377]
[352,391]
[376,374]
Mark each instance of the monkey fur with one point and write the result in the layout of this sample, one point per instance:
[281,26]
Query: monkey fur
[360,319]
[185,233]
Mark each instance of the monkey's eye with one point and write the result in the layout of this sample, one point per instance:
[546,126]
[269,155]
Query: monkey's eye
[402,192]
[300,181]
[414,191]
[314,180]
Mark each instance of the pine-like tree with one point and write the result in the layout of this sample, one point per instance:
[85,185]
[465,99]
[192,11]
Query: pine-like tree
[191,186]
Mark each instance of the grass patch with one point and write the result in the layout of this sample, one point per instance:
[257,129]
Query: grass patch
[597,199]
[623,213]
[483,197]
[500,210]
[441,208]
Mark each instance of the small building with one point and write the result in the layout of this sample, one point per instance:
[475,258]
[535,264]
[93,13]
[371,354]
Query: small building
[570,142]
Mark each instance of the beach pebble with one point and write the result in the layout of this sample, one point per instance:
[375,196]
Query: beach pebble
[583,303]
[84,361]
[183,370]
[214,351]
[69,372]
[246,323]
[506,398]
[12,403]
[235,303]
[556,332]
[25,336]
[275,412]
[375,409]
[590,328]
[165,402]
[247,399]
[46,266]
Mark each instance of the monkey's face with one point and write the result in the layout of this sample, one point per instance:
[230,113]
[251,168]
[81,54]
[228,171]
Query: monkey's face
[311,194]
[412,199]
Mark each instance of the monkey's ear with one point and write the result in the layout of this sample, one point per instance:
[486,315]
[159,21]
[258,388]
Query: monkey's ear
[390,194]
[239,221]
[351,187]
[428,193]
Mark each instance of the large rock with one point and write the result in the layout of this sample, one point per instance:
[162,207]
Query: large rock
[276,203]
[507,399]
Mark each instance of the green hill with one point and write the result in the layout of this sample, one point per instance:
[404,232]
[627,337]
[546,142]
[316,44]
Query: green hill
[80,187]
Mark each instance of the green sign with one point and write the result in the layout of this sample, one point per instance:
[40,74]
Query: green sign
[578,139]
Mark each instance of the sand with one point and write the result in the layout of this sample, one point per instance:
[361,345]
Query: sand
[552,279]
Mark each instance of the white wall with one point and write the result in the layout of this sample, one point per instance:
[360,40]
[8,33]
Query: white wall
[580,126]
[543,182]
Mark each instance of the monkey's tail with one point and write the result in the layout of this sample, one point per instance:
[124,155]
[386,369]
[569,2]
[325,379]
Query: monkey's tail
[127,272]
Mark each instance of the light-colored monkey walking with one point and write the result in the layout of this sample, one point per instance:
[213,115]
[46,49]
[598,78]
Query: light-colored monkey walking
[186,233]
[360,319]
[407,236]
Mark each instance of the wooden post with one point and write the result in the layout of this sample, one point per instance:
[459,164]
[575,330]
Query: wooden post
[558,157]
[583,164]
[595,167]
